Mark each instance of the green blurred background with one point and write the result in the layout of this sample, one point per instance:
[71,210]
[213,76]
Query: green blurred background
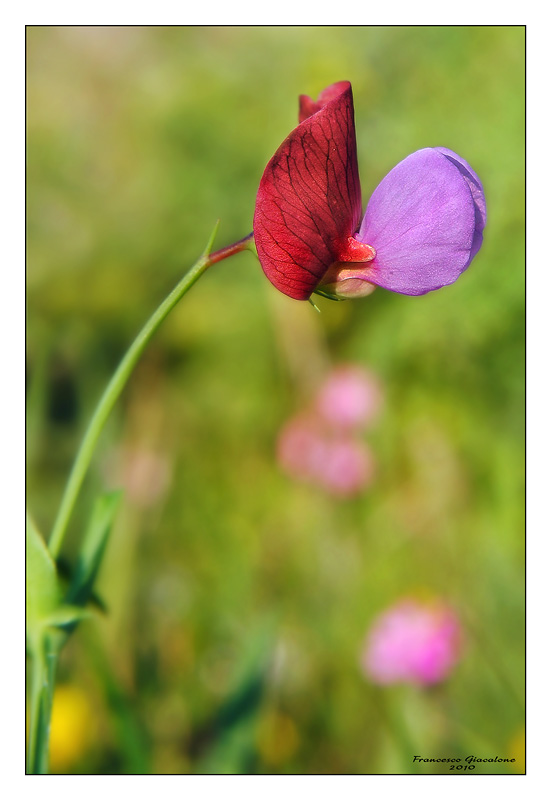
[238,601]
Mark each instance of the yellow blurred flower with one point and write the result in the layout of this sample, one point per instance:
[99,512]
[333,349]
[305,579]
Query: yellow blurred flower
[278,738]
[71,728]
[517,750]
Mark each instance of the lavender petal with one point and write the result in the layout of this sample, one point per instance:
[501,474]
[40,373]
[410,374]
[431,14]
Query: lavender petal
[425,222]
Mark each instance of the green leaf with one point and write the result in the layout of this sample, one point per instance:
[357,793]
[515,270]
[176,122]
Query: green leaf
[93,548]
[43,589]
[66,615]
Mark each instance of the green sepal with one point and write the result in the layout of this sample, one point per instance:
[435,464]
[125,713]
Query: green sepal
[67,615]
[208,249]
[313,305]
[43,588]
[93,548]
[328,296]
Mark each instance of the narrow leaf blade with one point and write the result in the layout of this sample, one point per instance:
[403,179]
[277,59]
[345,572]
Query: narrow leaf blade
[93,548]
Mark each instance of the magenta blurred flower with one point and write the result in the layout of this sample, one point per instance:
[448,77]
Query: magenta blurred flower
[422,227]
[334,461]
[350,397]
[412,642]
[300,447]
[346,468]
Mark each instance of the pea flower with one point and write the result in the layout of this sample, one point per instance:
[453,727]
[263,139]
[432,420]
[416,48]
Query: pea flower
[412,642]
[422,226]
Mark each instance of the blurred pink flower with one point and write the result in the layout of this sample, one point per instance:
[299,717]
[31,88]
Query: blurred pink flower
[350,397]
[300,447]
[412,642]
[336,462]
[346,468]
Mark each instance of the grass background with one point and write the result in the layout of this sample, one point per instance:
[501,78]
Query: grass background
[237,600]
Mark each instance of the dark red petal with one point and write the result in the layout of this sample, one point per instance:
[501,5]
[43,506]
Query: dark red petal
[309,200]
[307,106]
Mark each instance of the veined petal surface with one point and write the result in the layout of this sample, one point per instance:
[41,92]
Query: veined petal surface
[309,200]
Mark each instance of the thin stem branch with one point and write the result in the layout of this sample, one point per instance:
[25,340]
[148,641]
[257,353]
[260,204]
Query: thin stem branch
[37,682]
[45,653]
[45,650]
[246,243]
[119,379]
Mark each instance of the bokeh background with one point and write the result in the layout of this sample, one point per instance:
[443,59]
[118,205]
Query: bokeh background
[238,600]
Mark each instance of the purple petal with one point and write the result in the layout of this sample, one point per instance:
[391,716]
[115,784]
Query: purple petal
[422,222]
[477,192]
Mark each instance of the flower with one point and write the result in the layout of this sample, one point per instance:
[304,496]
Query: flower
[350,397]
[332,460]
[72,727]
[517,751]
[346,468]
[300,447]
[422,227]
[321,444]
[412,642]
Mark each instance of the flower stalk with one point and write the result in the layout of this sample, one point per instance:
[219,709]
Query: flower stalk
[45,648]
[120,378]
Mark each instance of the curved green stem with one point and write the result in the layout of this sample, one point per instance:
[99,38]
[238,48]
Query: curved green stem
[119,379]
